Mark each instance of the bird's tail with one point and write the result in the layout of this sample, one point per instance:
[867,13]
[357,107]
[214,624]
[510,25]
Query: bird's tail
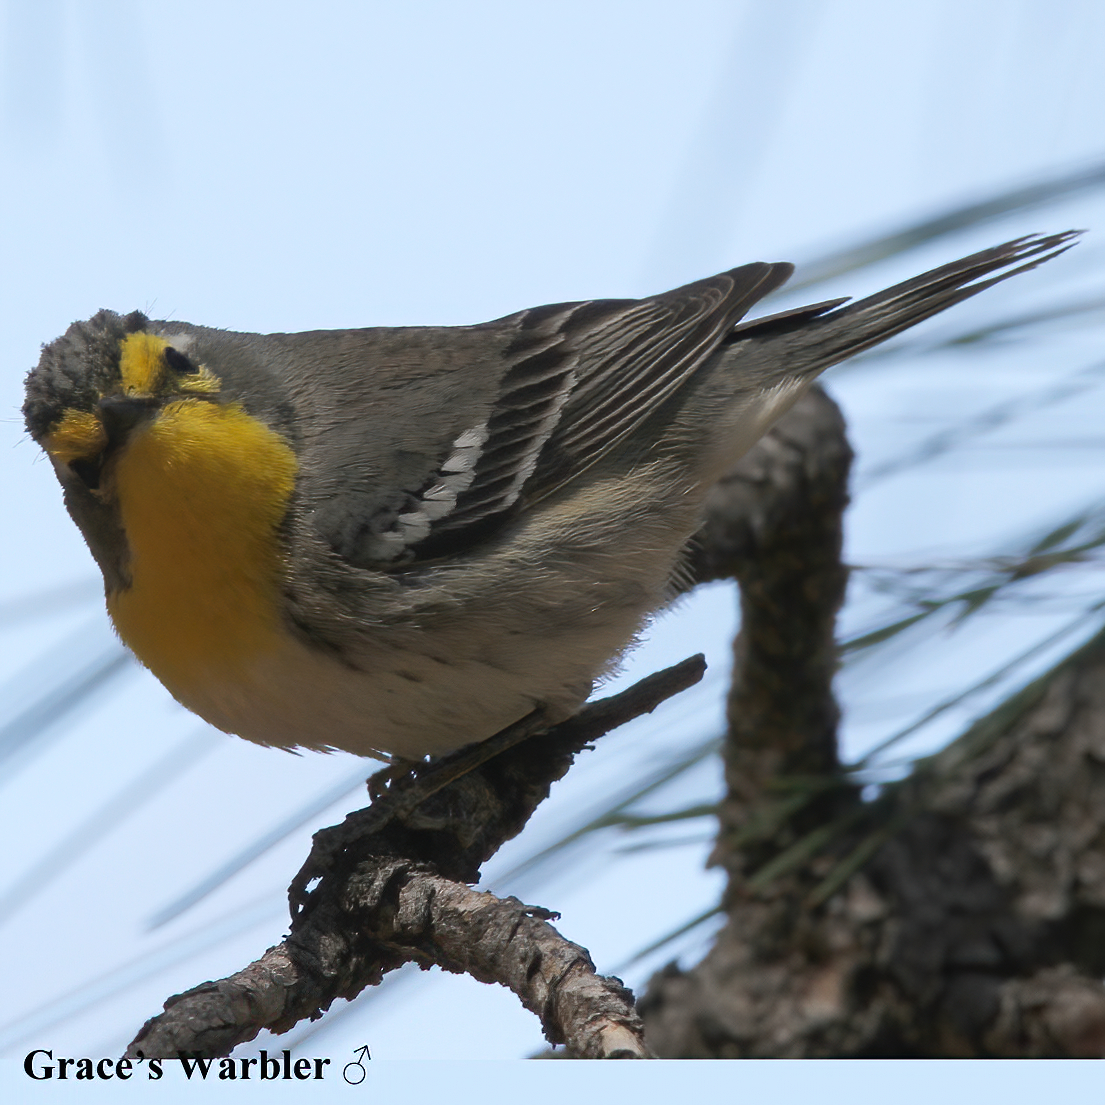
[826,333]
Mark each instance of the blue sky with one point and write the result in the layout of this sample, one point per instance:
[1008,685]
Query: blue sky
[265,166]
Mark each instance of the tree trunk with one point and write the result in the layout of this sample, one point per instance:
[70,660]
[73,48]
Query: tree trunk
[962,912]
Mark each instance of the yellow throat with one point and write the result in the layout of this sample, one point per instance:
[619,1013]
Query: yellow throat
[202,489]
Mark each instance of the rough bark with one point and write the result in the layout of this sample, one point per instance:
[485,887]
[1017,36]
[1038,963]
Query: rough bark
[960,914]
[391,889]
[775,524]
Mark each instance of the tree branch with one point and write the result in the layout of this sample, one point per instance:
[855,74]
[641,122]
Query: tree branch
[775,524]
[391,890]
[961,913]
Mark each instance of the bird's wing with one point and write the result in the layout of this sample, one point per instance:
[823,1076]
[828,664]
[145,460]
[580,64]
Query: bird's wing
[579,377]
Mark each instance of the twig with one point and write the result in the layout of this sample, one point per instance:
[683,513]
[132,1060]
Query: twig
[391,890]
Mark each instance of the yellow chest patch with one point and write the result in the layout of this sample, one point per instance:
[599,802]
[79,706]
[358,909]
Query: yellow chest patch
[201,491]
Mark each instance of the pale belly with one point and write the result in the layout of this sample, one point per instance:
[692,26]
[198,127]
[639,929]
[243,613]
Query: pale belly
[407,704]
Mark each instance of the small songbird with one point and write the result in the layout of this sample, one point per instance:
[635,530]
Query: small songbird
[402,540]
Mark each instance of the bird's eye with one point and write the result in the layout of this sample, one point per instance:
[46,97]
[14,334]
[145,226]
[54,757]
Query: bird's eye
[179,363]
[87,471]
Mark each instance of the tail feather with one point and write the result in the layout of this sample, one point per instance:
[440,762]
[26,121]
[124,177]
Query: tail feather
[821,336]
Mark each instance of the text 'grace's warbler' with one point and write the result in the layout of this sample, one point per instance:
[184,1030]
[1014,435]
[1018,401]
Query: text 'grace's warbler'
[403,540]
